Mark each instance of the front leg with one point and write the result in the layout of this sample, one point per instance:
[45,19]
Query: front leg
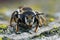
[17,29]
[11,20]
[37,20]
[36,29]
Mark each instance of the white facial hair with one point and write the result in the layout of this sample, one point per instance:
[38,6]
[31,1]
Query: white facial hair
[28,23]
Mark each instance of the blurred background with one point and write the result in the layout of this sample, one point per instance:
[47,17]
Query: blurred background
[47,6]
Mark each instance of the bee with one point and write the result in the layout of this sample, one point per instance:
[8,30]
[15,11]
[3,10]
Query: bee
[16,15]
[28,18]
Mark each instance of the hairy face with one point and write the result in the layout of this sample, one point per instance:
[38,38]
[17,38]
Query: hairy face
[29,20]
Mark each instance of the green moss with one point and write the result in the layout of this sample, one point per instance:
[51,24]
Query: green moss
[1,31]
[3,26]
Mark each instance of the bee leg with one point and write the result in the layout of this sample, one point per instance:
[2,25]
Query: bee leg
[12,19]
[40,23]
[11,22]
[36,29]
[17,30]
[44,21]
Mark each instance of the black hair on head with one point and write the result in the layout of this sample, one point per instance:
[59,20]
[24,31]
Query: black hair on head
[27,8]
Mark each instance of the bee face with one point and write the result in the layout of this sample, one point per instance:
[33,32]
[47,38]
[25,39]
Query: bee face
[29,20]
